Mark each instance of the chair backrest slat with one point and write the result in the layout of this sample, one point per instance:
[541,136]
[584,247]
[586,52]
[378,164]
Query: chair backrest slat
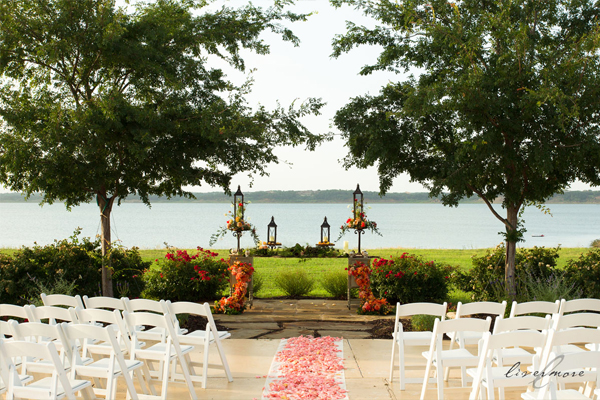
[58,300]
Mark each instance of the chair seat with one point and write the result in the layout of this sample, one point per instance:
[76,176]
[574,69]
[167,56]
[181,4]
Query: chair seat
[570,348]
[568,394]
[23,378]
[470,337]
[98,369]
[161,348]
[513,355]
[46,383]
[199,336]
[455,358]
[416,338]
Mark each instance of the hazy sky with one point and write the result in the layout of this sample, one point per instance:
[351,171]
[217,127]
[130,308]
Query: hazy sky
[295,73]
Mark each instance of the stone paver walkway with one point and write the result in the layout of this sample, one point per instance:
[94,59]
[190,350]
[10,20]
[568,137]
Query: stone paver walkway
[279,318]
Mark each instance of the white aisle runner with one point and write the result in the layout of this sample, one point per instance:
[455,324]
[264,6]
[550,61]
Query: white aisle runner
[307,368]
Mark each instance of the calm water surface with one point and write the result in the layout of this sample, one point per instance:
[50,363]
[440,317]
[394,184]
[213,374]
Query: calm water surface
[402,225]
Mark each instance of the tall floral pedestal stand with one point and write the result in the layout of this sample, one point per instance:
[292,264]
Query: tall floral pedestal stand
[352,260]
[232,281]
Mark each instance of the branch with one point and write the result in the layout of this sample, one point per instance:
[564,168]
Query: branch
[478,192]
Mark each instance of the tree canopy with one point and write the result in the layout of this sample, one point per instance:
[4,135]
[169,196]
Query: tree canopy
[501,99]
[101,102]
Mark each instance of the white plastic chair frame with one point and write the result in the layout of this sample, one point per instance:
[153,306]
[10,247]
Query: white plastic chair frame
[58,300]
[200,338]
[534,307]
[164,353]
[11,310]
[147,305]
[505,374]
[567,368]
[51,313]
[579,305]
[109,368]
[440,359]
[465,309]
[108,303]
[58,386]
[101,317]
[520,323]
[403,339]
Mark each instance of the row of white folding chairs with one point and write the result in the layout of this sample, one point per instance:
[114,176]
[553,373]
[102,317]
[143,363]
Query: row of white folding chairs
[167,353]
[200,338]
[557,309]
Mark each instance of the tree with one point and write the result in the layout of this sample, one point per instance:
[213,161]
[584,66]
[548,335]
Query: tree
[505,103]
[99,102]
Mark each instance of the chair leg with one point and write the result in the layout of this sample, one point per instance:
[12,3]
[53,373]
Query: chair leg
[392,362]
[165,378]
[402,366]
[426,379]
[440,384]
[446,370]
[224,360]
[204,364]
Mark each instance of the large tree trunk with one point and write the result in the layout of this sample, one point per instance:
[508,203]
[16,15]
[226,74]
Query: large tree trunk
[510,271]
[105,205]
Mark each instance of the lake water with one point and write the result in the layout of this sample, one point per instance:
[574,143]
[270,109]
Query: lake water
[188,225]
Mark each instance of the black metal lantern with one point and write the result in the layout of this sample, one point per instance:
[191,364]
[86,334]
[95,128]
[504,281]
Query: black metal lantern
[357,200]
[272,232]
[238,204]
[325,231]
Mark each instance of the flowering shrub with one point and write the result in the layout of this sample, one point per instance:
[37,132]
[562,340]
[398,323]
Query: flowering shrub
[369,303]
[411,279]
[489,270]
[236,223]
[234,304]
[184,277]
[358,221]
[584,273]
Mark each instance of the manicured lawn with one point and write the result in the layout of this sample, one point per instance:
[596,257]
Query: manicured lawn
[268,267]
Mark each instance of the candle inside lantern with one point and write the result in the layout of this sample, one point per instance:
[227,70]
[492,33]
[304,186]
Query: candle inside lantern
[346,246]
[325,239]
[272,239]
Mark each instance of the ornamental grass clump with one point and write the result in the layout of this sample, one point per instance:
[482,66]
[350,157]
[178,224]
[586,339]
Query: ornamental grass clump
[335,283]
[183,277]
[410,279]
[295,283]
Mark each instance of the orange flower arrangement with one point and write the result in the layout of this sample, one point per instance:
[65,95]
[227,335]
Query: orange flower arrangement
[369,303]
[234,304]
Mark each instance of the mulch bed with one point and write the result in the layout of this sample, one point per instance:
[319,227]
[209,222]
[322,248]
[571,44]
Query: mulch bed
[198,322]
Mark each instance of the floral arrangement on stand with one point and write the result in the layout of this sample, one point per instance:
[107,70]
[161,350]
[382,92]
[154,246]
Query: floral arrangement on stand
[236,224]
[234,304]
[369,303]
[358,221]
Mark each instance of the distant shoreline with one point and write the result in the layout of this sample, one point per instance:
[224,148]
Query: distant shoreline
[326,197]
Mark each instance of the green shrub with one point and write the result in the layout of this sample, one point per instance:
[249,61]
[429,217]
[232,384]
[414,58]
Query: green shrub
[183,277]
[77,261]
[595,243]
[410,279]
[297,251]
[486,278]
[295,283]
[335,283]
[552,288]
[422,322]
[584,273]
[258,282]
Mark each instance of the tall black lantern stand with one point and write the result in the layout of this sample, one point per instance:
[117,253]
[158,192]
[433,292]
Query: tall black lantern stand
[272,234]
[238,207]
[325,234]
[358,210]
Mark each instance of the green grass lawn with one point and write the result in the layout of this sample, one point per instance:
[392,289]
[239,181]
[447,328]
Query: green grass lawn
[268,267]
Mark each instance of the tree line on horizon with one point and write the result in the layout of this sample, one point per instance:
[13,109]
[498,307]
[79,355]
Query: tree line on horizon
[336,196]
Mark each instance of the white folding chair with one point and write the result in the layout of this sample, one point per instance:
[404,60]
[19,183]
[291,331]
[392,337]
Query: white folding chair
[534,307]
[108,303]
[37,332]
[479,307]
[62,300]
[147,305]
[507,374]
[58,386]
[568,368]
[578,305]
[201,338]
[101,317]
[403,339]
[568,341]
[517,354]
[12,311]
[109,368]
[50,313]
[440,359]
[576,321]
[164,353]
